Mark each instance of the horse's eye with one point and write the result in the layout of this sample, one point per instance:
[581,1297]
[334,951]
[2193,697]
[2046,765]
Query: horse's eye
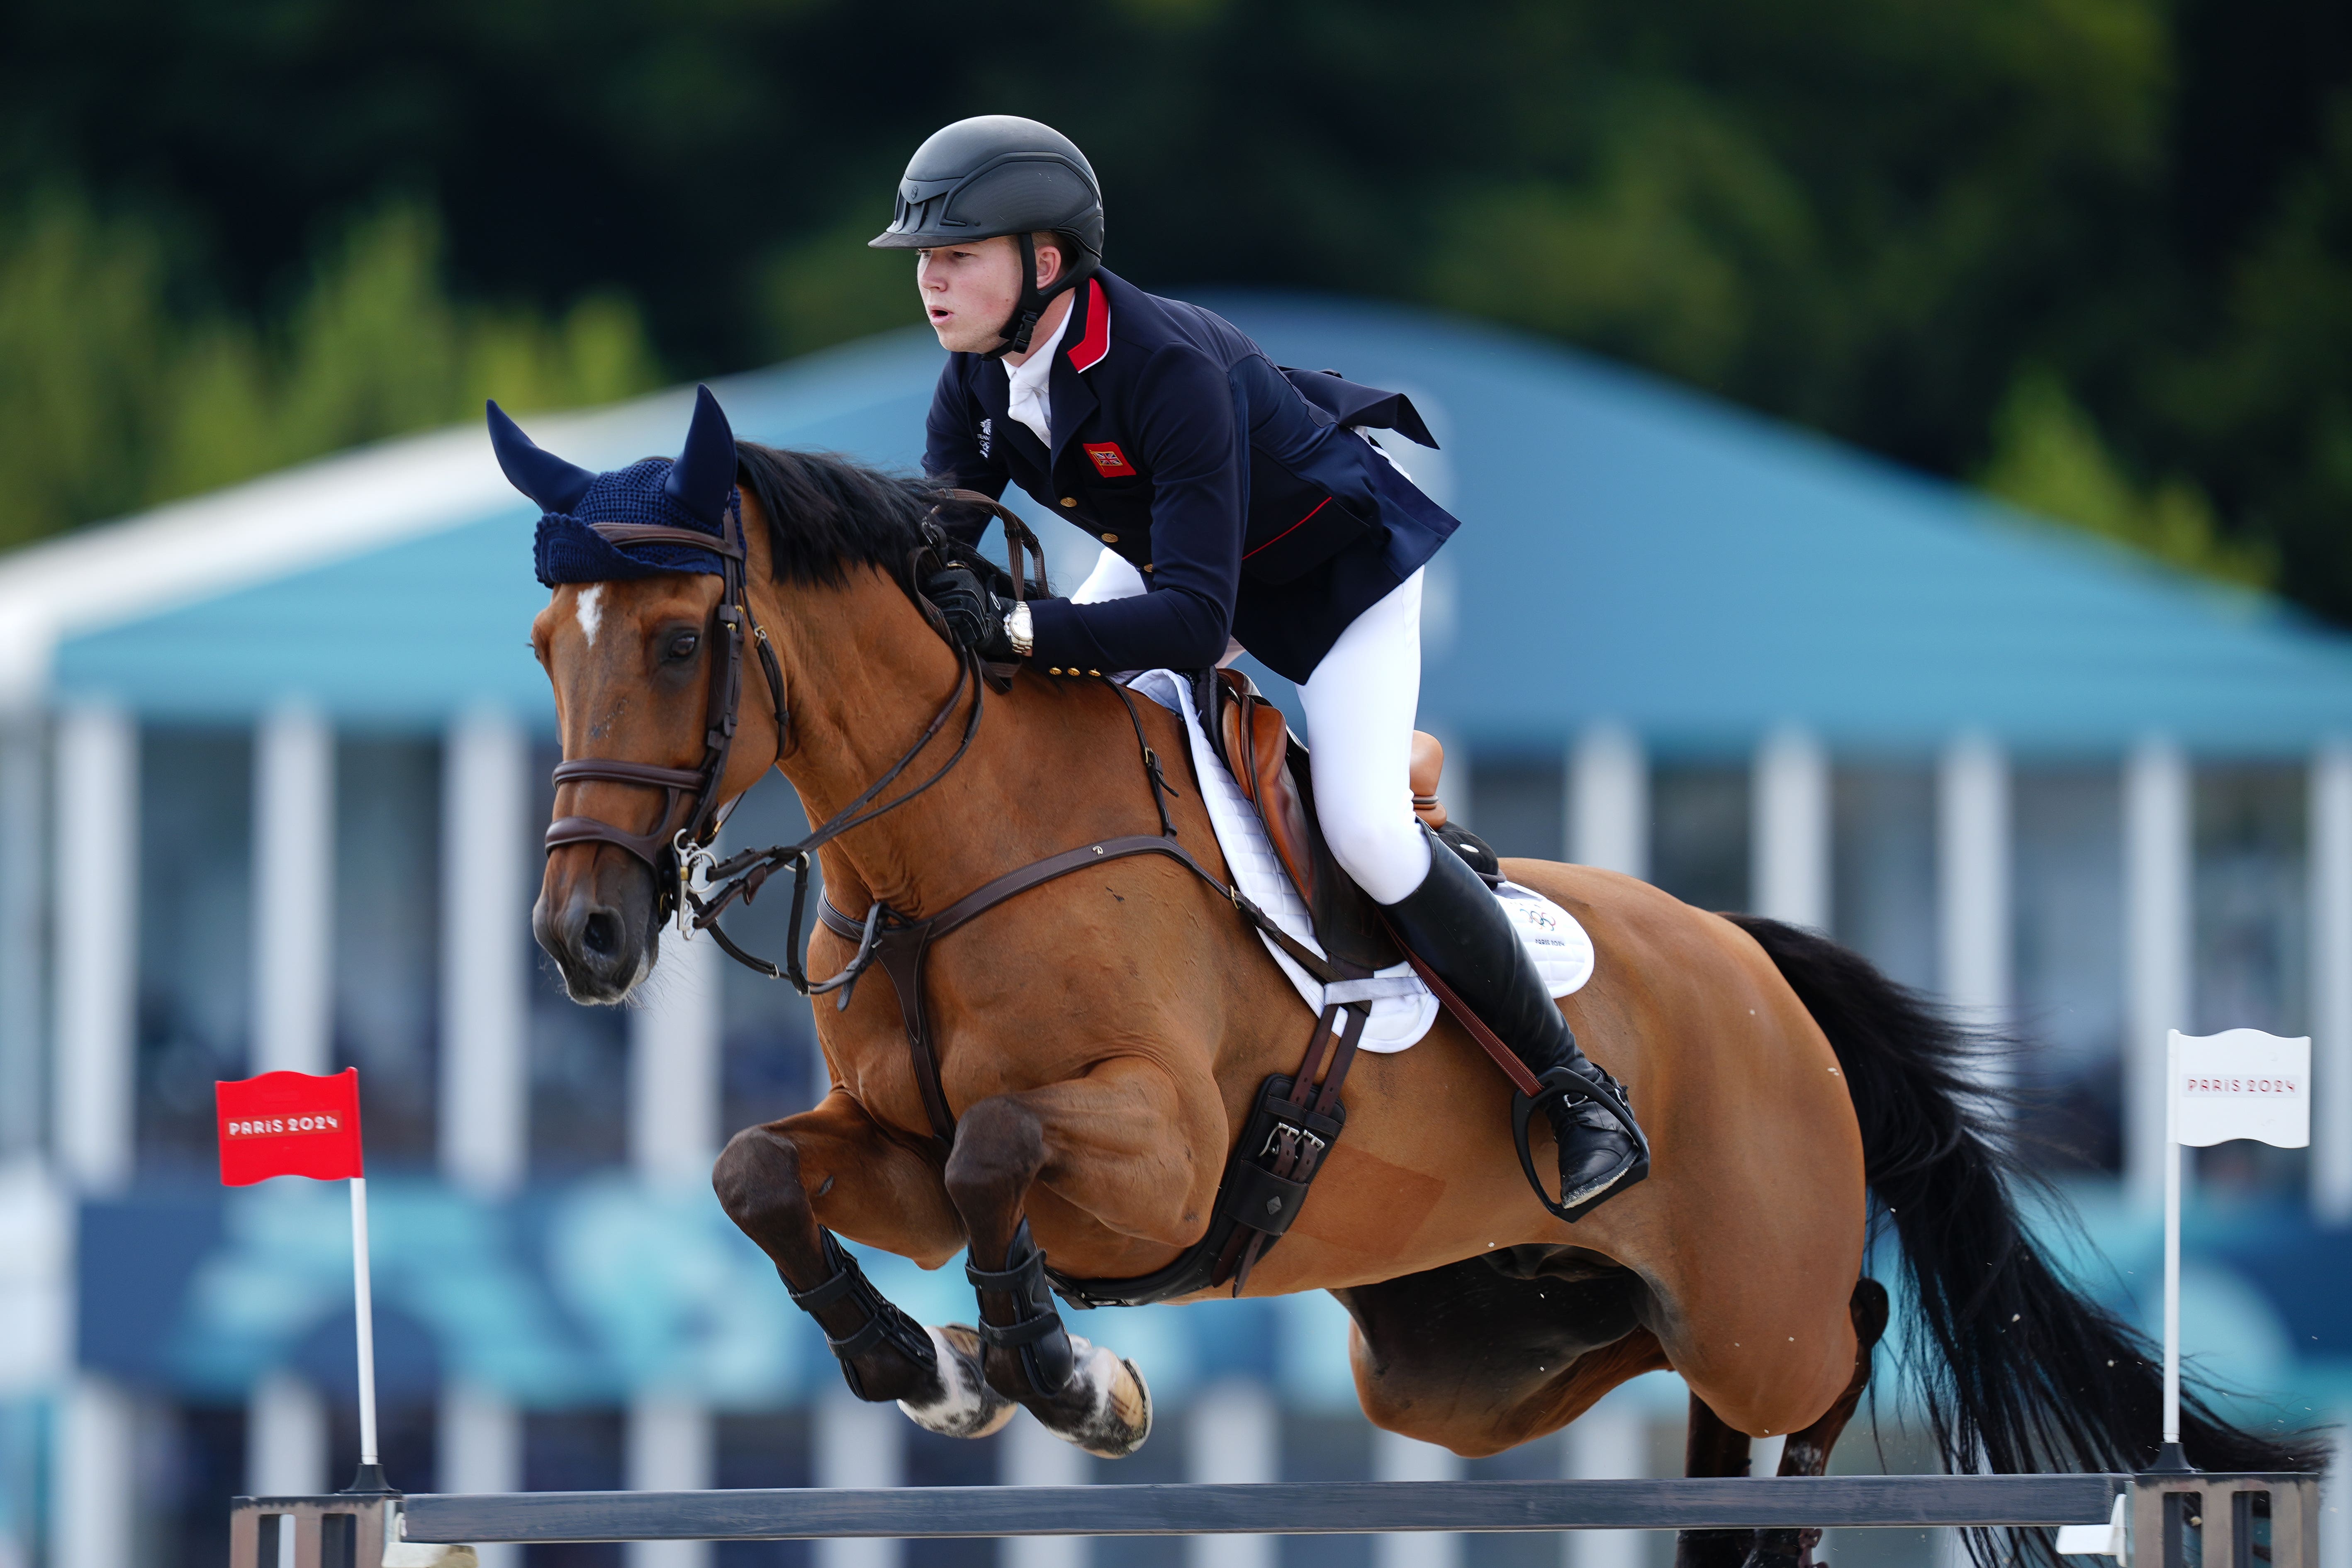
[682,646]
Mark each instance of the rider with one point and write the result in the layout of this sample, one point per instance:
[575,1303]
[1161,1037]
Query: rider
[1238,509]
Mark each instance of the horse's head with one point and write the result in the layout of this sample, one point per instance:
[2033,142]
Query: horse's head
[645,641]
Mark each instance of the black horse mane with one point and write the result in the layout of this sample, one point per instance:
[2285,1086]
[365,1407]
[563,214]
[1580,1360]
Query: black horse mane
[829,515]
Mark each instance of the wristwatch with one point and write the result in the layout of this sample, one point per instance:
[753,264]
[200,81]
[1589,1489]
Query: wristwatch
[1018,629]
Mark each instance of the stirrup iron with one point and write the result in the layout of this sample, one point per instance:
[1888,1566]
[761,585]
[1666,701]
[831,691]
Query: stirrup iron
[1566,1086]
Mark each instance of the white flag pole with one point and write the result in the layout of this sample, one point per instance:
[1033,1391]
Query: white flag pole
[2245,1084]
[371,1474]
[2171,1456]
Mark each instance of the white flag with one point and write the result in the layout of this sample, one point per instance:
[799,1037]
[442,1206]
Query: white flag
[2241,1083]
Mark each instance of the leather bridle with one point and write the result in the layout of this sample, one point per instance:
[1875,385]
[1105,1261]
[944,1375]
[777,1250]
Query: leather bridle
[692,809]
[679,845]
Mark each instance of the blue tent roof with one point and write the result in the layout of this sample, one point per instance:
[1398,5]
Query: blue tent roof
[1630,552]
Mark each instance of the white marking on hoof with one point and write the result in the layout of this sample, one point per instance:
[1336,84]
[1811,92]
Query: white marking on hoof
[1117,1418]
[967,1406]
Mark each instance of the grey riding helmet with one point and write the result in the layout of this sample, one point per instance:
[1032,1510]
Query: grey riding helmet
[996,176]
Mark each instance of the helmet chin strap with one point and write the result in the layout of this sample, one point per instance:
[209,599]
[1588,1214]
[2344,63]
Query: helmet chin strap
[1023,323]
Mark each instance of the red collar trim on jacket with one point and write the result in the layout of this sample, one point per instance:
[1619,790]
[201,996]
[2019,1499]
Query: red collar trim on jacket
[1096,342]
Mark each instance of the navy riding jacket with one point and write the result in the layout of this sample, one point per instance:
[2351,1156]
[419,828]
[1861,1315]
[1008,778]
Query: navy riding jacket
[1232,484]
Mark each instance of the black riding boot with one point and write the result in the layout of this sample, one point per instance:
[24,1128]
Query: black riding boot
[1453,924]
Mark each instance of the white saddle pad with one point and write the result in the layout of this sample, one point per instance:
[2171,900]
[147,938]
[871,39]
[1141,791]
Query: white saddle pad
[1403,1012]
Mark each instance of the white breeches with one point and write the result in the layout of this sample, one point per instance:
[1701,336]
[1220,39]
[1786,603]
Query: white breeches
[1360,702]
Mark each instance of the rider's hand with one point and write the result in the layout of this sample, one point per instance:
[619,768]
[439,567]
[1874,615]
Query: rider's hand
[975,616]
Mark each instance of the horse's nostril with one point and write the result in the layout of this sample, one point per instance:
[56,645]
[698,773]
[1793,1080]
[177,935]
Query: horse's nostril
[601,935]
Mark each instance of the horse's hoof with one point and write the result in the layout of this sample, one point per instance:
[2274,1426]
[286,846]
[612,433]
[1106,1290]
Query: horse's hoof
[967,1406]
[1117,1418]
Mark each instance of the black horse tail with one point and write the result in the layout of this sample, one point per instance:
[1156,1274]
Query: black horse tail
[2019,1370]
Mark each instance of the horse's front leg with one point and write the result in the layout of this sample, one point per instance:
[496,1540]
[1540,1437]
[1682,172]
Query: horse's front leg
[785,1183]
[1111,1143]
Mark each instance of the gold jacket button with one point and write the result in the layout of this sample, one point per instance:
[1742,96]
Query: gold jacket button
[1094,672]
[1055,671]
[1069,500]
[1110,539]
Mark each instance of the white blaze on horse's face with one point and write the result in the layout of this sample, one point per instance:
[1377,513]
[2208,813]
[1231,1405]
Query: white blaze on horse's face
[590,610]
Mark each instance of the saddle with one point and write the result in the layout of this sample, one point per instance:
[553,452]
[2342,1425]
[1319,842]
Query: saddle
[1269,764]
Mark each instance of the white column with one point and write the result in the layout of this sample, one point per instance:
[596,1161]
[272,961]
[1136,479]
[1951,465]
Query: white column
[293,892]
[484,964]
[1789,839]
[1234,1434]
[1032,1457]
[478,1448]
[97,1476]
[2157,853]
[2331,984]
[1606,1443]
[1609,800]
[857,1444]
[21,882]
[674,1063]
[670,1449]
[95,899]
[1972,880]
[286,1438]
[1400,1458]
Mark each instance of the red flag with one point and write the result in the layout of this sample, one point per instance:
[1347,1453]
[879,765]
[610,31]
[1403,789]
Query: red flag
[289,1124]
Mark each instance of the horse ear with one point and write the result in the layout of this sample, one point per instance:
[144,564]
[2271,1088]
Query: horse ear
[556,485]
[705,471]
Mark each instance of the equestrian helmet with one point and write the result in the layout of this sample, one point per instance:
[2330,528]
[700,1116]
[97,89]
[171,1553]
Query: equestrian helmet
[997,174]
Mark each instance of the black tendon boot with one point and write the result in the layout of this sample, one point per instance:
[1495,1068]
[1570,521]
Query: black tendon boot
[1035,1334]
[884,1323]
[1453,925]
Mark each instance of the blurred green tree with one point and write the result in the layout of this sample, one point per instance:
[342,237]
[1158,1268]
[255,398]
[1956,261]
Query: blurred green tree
[1875,216]
[83,350]
[111,398]
[2050,458]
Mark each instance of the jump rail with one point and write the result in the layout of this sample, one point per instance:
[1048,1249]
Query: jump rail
[2223,1521]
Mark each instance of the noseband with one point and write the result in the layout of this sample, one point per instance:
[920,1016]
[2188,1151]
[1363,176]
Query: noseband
[692,809]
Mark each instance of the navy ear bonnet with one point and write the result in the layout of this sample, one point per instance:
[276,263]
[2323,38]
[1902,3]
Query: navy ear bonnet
[696,490]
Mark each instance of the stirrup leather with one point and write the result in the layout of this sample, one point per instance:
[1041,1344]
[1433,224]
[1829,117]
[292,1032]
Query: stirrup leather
[884,1321]
[1567,1087]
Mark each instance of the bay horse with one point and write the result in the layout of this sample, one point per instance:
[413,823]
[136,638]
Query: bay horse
[1101,1039]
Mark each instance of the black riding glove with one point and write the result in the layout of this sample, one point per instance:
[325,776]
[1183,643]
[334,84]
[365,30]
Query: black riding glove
[975,616]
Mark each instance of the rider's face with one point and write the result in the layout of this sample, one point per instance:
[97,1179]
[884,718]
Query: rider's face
[969,290]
